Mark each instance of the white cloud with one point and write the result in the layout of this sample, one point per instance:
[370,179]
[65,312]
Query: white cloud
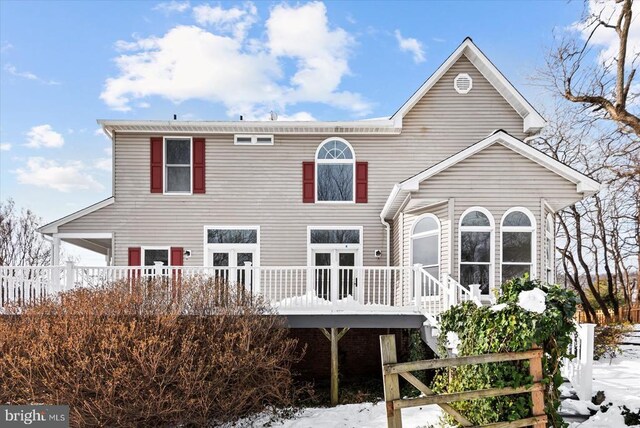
[411,45]
[105,163]
[299,116]
[5,46]
[172,6]
[44,136]
[606,39]
[247,76]
[5,147]
[11,69]
[65,177]
[235,21]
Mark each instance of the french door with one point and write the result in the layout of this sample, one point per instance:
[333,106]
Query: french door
[335,273]
[229,264]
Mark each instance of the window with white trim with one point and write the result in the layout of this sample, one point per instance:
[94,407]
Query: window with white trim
[335,171]
[476,248]
[228,249]
[152,255]
[549,260]
[518,237]
[425,244]
[177,165]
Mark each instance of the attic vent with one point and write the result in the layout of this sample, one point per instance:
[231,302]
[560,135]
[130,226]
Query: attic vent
[462,83]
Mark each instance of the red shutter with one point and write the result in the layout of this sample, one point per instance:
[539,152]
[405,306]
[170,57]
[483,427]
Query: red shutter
[156,164]
[308,182]
[176,256]
[135,256]
[198,165]
[135,259]
[362,182]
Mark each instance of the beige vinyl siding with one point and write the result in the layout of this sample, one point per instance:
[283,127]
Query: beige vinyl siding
[262,185]
[497,179]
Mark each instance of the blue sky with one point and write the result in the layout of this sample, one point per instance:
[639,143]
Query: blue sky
[65,64]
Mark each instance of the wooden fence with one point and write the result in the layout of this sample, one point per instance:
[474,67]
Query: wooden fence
[624,314]
[392,371]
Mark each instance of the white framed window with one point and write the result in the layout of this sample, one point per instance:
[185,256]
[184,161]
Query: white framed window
[335,171]
[518,243]
[549,260]
[260,140]
[151,255]
[425,243]
[476,250]
[178,164]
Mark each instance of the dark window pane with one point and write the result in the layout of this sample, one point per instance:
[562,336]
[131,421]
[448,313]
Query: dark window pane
[335,182]
[475,218]
[221,259]
[346,259]
[425,250]
[427,224]
[178,152]
[335,150]
[516,247]
[241,258]
[517,218]
[151,256]
[178,179]
[475,274]
[232,236]
[476,246]
[513,271]
[346,236]
[323,259]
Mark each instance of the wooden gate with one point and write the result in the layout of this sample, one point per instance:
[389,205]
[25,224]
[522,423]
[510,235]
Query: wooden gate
[392,370]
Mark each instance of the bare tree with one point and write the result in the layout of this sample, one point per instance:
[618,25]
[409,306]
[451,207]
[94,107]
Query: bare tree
[20,242]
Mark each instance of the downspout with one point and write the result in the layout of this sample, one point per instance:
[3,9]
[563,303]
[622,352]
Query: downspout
[388,227]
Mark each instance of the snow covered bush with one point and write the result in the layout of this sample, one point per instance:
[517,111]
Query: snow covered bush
[527,314]
[200,355]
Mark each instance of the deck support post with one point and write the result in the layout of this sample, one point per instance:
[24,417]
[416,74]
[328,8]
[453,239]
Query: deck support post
[334,337]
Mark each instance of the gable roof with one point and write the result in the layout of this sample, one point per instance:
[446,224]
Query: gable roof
[52,227]
[400,191]
[533,121]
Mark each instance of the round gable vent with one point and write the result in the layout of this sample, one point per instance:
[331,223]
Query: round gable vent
[462,83]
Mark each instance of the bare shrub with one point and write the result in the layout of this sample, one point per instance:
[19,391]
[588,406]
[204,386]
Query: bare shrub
[195,354]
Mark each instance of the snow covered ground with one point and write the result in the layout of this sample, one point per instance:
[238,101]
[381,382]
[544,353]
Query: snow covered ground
[364,415]
[620,380]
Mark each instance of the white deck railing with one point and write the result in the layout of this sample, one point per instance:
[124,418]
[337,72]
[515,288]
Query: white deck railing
[579,370]
[284,287]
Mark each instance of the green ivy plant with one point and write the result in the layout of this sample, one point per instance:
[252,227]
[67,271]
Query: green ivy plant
[482,330]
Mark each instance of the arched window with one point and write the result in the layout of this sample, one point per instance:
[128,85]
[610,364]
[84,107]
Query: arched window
[476,248]
[549,250]
[518,231]
[425,244]
[335,171]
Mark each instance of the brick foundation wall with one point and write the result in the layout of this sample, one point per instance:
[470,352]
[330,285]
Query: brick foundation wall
[358,352]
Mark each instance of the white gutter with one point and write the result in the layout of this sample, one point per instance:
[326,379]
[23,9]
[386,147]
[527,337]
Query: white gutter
[383,214]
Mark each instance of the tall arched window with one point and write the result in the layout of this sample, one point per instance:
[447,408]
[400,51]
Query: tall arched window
[335,171]
[425,244]
[476,248]
[518,231]
[549,260]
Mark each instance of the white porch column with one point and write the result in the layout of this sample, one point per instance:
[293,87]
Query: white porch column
[55,250]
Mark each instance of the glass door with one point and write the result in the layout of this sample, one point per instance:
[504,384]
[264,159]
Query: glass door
[335,267]
[229,264]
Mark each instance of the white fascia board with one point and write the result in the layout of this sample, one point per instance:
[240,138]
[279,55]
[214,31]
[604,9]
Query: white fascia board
[51,228]
[83,235]
[387,205]
[583,183]
[533,121]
